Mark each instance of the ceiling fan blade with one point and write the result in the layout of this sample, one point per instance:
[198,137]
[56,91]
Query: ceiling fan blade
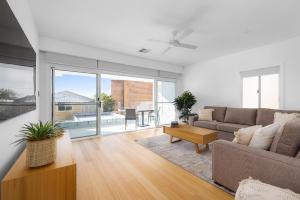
[174,34]
[183,34]
[158,41]
[166,50]
[188,46]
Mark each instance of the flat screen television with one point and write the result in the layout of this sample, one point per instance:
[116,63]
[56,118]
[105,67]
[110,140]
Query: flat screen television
[17,67]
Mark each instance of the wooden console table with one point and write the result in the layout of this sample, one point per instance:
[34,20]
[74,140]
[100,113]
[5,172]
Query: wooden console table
[55,181]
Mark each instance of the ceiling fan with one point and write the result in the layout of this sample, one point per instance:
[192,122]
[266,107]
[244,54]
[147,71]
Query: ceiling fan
[175,40]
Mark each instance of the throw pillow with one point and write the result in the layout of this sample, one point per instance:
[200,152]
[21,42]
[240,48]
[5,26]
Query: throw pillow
[289,142]
[250,189]
[244,135]
[283,118]
[205,114]
[263,137]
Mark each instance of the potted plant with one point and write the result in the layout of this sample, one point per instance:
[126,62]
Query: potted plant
[184,104]
[40,141]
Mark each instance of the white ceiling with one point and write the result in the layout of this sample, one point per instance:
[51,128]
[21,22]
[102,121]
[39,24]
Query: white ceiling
[220,26]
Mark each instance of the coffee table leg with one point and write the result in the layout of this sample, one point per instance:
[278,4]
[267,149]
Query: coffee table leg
[171,139]
[197,148]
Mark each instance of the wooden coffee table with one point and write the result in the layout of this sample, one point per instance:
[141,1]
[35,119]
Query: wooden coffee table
[192,134]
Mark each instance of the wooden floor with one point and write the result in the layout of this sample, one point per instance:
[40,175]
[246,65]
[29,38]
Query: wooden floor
[115,167]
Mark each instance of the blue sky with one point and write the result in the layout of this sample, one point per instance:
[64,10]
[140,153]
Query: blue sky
[83,85]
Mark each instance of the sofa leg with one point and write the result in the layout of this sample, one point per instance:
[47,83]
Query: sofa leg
[207,147]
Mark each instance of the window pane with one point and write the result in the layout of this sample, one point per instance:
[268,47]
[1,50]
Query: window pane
[61,108]
[165,97]
[270,91]
[165,91]
[68,107]
[166,113]
[250,94]
[127,103]
[75,108]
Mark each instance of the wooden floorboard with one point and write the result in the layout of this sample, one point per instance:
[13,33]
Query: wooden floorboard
[115,167]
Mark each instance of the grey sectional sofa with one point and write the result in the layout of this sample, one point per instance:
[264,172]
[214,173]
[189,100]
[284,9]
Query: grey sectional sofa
[280,166]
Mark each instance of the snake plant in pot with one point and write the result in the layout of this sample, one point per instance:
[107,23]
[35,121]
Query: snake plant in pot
[40,141]
[184,104]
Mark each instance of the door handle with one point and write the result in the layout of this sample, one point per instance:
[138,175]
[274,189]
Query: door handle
[99,102]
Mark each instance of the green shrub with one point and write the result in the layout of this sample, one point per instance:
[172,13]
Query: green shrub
[108,103]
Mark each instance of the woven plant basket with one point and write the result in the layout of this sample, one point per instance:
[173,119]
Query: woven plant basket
[41,152]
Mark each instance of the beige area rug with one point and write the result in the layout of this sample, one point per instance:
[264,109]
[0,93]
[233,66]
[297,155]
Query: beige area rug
[183,154]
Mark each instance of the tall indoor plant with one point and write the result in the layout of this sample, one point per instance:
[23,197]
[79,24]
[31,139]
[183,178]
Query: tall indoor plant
[184,104]
[40,141]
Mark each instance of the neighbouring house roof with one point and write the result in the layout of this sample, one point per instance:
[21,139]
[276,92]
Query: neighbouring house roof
[26,99]
[71,97]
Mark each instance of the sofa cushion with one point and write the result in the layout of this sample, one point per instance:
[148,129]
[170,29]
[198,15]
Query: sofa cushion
[219,112]
[265,116]
[223,135]
[244,135]
[205,114]
[289,142]
[192,119]
[206,124]
[246,116]
[263,137]
[283,118]
[229,127]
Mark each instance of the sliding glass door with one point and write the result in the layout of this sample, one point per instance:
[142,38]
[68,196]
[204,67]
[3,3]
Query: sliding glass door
[166,92]
[127,103]
[75,102]
[88,104]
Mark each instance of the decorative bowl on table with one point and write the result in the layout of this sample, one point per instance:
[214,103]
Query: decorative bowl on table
[174,124]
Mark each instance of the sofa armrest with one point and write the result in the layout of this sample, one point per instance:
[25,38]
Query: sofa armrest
[192,119]
[233,162]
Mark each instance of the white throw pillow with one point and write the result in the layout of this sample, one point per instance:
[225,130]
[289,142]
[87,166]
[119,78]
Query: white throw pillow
[263,137]
[244,135]
[250,189]
[283,118]
[205,114]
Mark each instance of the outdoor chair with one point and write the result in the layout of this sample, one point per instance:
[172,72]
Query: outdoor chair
[152,116]
[130,114]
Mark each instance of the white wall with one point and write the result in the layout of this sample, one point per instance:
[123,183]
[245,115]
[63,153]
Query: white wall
[57,46]
[11,127]
[217,81]
[23,14]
